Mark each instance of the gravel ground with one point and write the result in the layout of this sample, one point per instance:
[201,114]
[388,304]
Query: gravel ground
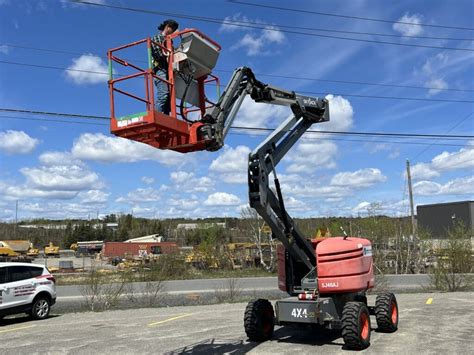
[435,323]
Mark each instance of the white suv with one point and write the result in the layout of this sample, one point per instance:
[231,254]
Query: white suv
[26,288]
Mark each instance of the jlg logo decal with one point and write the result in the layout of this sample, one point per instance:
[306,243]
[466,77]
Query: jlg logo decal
[330,284]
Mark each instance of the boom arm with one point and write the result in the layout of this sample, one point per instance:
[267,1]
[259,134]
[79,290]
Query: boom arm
[263,160]
[218,120]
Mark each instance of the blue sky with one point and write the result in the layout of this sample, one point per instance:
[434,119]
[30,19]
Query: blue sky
[59,170]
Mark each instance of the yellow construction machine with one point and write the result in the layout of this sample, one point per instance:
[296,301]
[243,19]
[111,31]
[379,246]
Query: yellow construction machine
[51,250]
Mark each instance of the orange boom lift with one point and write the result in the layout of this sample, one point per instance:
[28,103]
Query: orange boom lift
[326,279]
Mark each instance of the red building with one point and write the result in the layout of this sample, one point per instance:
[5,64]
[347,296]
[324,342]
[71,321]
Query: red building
[120,249]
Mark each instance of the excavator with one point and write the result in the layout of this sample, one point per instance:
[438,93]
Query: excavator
[327,279]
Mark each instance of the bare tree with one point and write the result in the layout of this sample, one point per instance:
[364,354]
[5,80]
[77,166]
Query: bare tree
[256,224]
[454,264]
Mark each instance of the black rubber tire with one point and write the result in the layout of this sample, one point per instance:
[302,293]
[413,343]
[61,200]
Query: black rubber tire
[386,321]
[354,318]
[40,308]
[259,320]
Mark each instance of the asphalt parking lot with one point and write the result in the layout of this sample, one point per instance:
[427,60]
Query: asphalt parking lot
[429,323]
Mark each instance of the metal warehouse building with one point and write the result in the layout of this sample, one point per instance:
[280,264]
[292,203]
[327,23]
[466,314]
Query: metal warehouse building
[438,218]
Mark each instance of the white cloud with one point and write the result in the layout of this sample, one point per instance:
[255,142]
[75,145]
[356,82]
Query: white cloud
[459,186]
[387,207]
[93,197]
[3,48]
[341,185]
[141,195]
[64,178]
[341,116]
[361,207]
[308,156]
[426,188]
[273,34]
[436,85]
[144,212]
[57,210]
[87,69]
[222,199]
[462,159]
[179,177]
[258,44]
[358,179]
[394,154]
[188,182]
[17,142]
[255,42]
[232,164]
[183,204]
[60,177]
[229,26]
[296,205]
[148,180]
[59,158]
[12,192]
[314,190]
[98,147]
[407,29]
[431,73]
[312,153]
[253,114]
[422,171]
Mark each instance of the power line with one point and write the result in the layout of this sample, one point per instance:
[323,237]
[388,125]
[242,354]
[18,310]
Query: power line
[449,130]
[48,120]
[303,92]
[375,134]
[387,97]
[347,16]
[231,71]
[245,134]
[53,67]
[231,22]
[48,113]
[266,27]
[353,82]
[364,141]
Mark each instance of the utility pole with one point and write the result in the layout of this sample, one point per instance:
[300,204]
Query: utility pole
[16,219]
[410,193]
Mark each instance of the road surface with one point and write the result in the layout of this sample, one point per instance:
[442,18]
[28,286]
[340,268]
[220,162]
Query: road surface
[394,282]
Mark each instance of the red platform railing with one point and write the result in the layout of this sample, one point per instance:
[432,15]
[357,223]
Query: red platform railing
[173,131]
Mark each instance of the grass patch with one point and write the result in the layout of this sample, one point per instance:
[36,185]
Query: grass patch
[148,275]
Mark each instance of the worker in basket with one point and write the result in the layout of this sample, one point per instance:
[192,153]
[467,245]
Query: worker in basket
[160,65]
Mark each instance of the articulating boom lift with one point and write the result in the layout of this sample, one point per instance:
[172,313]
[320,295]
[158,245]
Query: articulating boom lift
[326,279]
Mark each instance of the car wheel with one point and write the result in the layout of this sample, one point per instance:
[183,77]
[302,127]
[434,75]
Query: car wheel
[40,308]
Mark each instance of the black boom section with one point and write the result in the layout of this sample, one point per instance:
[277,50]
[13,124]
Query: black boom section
[263,161]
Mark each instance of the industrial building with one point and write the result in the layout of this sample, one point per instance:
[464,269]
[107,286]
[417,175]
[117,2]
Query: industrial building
[440,217]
